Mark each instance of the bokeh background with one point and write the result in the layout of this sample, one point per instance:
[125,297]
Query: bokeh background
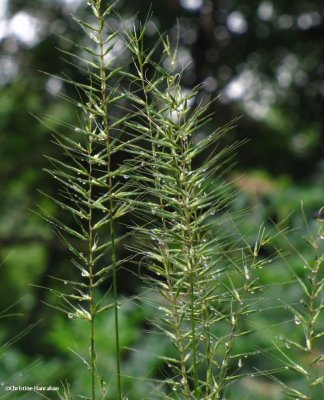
[265,61]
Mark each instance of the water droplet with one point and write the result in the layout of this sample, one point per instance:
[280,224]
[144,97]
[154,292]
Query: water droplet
[65,282]
[94,247]
[125,176]
[240,363]
[70,315]
[308,344]
[85,273]
[246,272]
[297,320]
[77,129]
[287,345]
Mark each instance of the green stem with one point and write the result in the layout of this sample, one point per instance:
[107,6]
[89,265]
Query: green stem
[90,267]
[116,306]
[104,99]
[230,342]
[193,334]
[179,338]
[311,318]
[206,330]
[191,264]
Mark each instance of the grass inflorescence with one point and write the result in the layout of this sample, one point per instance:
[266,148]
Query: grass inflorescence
[143,149]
